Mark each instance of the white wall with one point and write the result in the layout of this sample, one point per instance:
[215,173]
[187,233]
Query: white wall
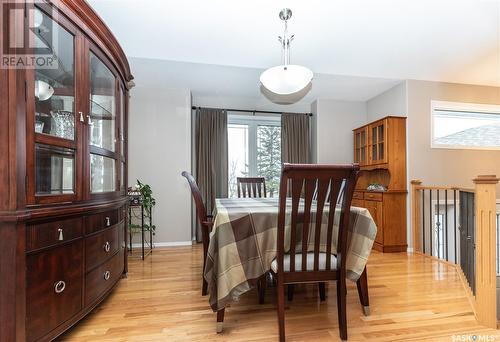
[334,121]
[390,102]
[159,150]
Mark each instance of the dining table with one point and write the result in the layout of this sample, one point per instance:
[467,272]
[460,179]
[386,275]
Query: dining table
[243,245]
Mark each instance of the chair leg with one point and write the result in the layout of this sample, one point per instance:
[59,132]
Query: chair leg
[204,288]
[261,287]
[205,238]
[322,293]
[341,306]
[290,290]
[280,288]
[362,285]
[220,320]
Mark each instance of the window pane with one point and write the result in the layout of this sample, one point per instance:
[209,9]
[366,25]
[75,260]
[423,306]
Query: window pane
[102,173]
[102,105]
[469,129]
[269,157]
[237,155]
[54,87]
[54,170]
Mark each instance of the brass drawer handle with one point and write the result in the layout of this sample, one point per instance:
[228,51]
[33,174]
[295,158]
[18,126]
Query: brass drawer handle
[107,247]
[107,275]
[60,234]
[108,221]
[59,286]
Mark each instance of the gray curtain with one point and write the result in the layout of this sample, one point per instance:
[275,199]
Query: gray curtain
[295,138]
[211,156]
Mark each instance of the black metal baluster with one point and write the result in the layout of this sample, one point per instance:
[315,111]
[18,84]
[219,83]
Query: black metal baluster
[438,226]
[423,221]
[430,219]
[455,223]
[446,221]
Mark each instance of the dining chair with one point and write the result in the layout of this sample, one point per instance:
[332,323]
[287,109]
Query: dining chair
[252,186]
[310,264]
[206,222]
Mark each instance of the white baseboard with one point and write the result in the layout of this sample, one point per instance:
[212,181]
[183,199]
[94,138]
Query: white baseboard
[165,244]
[409,249]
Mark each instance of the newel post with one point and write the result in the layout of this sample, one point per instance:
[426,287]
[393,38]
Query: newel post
[485,212]
[415,214]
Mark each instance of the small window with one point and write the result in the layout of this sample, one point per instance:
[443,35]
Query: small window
[465,126]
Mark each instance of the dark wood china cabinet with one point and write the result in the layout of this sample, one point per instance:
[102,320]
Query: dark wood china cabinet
[63,169]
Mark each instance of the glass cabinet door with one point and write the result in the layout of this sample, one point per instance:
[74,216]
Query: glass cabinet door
[102,125]
[54,86]
[55,170]
[378,150]
[52,147]
[360,149]
[102,105]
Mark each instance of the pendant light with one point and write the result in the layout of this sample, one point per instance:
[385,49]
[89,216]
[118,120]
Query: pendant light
[287,78]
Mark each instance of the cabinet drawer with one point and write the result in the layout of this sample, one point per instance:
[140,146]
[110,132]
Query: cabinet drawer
[373,196]
[101,246]
[103,278]
[101,220]
[54,288]
[357,194]
[52,233]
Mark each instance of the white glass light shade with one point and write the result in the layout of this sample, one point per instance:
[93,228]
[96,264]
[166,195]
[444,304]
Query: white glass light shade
[43,90]
[283,80]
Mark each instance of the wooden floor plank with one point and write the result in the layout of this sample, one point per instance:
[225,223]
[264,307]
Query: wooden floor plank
[412,298]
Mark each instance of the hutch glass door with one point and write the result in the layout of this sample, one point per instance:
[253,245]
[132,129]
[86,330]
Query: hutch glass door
[102,125]
[378,144]
[53,121]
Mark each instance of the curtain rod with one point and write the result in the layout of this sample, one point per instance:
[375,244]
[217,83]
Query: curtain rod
[253,111]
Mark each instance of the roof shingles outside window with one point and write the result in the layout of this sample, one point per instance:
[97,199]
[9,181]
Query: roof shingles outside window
[482,136]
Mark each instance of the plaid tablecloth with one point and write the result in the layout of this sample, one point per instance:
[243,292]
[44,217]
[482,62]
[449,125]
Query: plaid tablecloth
[243,245]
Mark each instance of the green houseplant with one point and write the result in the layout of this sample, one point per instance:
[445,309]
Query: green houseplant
[148,202]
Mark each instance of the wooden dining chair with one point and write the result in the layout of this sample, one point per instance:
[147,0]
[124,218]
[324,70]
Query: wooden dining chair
[251,187]
[309,264]
[206,222]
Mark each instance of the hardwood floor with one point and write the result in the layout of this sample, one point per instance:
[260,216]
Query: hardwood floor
[412,298]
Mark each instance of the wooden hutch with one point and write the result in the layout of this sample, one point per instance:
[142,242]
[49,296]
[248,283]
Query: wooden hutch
[63,167]
[380,149]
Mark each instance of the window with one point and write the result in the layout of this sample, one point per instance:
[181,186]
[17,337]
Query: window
[254,150]
[465,125]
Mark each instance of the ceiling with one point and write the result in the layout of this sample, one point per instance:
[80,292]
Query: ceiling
[206,81]
[372,40]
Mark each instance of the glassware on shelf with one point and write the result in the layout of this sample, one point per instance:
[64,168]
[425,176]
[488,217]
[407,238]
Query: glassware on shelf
[39,126]
[63,124]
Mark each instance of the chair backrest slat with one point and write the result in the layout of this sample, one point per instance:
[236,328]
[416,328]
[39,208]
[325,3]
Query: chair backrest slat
[320,192]
[308,194]
[332,186]
[296,191]
[335,187]
[251,186]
